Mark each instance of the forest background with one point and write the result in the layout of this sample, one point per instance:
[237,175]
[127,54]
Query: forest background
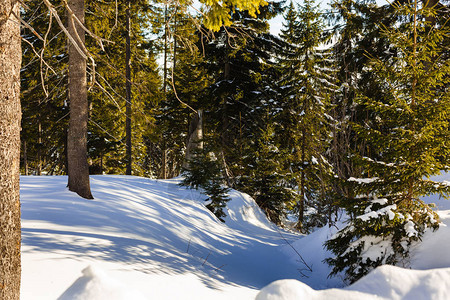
[345,112]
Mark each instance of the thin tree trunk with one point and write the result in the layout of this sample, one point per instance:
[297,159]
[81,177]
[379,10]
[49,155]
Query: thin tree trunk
[78,167]
[10,115]
[175,45]
[39,150]
[25,157]
[166,48]
[166,29]
[101,163]
[128,92]
[164,161]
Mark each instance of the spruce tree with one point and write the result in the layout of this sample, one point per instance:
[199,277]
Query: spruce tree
[43,94]
[205,173]
[267,178]
[242,100]
[107,138]
[307,82]
[407,140]
[186,81]
[239,62]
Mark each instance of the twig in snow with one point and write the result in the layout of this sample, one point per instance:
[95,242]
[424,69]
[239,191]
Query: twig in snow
[189,244]
[302,260]
[219,268]
[206,258]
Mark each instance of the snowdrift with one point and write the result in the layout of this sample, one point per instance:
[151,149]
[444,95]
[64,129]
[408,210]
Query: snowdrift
[385,282]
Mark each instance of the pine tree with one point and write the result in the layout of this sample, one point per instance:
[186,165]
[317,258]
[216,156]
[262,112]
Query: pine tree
[307,82]
[356,33]
[349,28]
[43,94]
[107,139]
[239,63]
[182,97]
[290,24]
[267,178]
[407,139]
[205,173]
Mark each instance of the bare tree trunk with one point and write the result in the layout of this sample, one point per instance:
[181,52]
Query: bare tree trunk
[128,92]
[175,44]
[39,150]
[25,157]
[78,167]
[166,29]
[164,161]
[10,115]
[195,137]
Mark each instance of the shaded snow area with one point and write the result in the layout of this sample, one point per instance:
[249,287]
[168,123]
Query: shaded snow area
[144,237]
[152,239]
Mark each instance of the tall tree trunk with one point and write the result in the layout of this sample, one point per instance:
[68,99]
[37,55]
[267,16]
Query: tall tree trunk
[10,115]
[39,150]
[128,92]
[164,161]
[166,29]
[195,137]
[175,45]
[78,168]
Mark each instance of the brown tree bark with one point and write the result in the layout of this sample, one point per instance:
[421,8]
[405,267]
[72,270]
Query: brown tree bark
[165,71]
[78,168]
[128,93]
[10,115]
[39,150]
[195,137]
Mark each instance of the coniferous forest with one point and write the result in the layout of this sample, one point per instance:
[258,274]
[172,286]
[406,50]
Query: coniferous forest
[344,112]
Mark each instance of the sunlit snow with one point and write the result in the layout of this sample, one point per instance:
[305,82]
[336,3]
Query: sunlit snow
[152,239]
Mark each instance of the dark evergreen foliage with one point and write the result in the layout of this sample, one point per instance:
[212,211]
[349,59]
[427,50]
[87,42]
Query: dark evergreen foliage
[405,139]
[307,82]
[205,173]
[43,95]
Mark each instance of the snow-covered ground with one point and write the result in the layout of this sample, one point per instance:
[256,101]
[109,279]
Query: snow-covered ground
[152,239]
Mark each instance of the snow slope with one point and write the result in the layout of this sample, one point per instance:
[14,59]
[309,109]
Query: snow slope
[152,236]
[152,239]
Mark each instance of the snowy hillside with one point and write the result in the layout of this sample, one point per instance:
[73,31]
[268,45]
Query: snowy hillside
[152,239]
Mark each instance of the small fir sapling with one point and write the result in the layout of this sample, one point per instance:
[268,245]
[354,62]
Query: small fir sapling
[205,173]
